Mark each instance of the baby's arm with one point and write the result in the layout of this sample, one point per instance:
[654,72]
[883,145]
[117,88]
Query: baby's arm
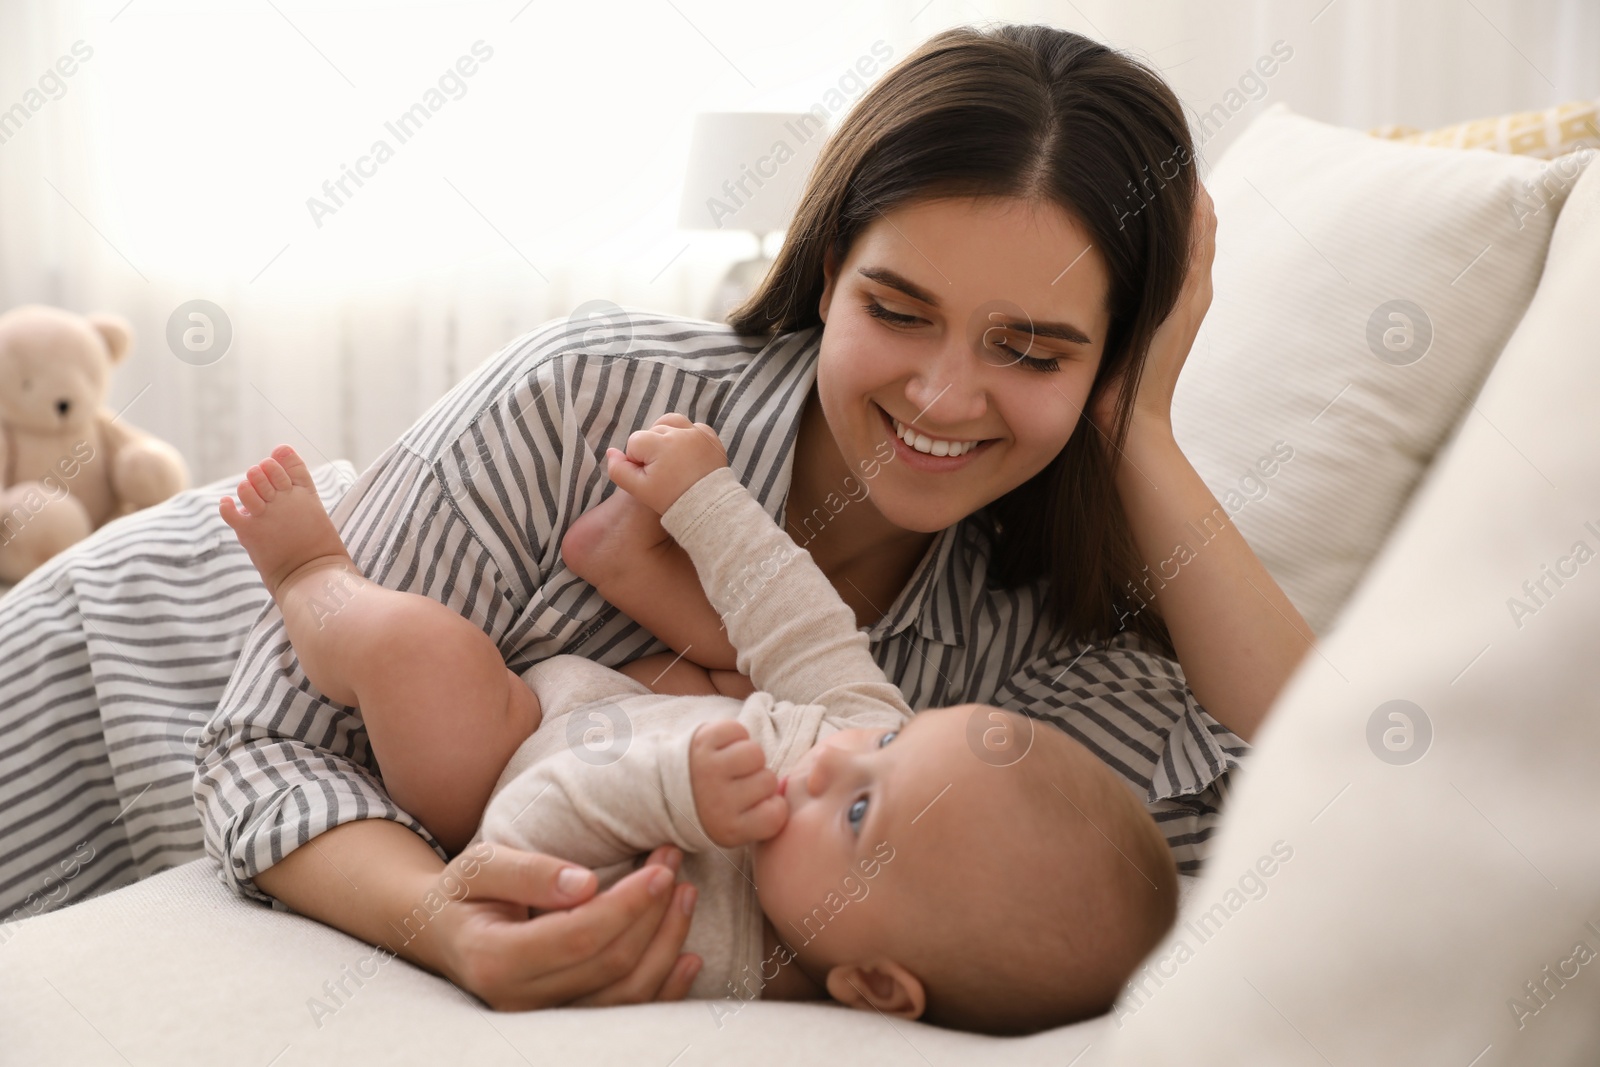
[619,547]
[795,637]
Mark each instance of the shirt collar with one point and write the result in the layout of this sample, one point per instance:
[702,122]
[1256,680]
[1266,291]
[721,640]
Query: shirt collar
[761,448]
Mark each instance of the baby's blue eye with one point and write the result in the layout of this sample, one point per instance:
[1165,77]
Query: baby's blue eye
[857,813]
[886,738]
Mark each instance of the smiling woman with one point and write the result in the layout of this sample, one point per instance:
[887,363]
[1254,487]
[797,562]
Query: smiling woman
[935,222]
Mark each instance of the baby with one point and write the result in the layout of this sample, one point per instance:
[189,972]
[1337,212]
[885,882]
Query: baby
[955,865]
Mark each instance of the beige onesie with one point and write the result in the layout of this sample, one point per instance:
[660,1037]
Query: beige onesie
[605,778]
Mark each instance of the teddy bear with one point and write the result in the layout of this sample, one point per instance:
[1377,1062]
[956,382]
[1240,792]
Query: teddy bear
[68,465]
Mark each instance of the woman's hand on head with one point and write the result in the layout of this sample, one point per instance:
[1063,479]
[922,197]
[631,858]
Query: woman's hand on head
[1175,336]
[581,948]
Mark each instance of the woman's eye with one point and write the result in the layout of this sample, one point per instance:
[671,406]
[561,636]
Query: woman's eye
[1045,365]
[878,311]
[886,738]
[994,336]
[857,813]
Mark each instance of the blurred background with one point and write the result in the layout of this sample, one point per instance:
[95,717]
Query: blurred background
[377,196]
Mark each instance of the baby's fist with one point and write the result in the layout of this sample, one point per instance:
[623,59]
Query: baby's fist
[735,793]
[661,463]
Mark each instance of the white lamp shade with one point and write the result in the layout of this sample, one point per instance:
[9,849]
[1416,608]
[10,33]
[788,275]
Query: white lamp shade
[747,169]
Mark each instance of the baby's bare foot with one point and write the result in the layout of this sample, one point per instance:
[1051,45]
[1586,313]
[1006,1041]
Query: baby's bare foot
[630,520]
[612,532]
[284,528]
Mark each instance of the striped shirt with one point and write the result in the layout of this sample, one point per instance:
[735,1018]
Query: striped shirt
[469,508]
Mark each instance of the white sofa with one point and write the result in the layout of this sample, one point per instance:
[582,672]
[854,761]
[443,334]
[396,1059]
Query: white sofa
[1361,904]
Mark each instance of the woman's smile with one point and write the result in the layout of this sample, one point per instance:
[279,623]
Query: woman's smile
[928,453]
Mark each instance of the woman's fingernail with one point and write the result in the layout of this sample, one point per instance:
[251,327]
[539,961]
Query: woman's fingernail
[571,880]
[689,895]
[693,967]
[674,858]
[659,881]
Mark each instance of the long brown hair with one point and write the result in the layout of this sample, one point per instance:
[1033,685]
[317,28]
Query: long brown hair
[1040,114]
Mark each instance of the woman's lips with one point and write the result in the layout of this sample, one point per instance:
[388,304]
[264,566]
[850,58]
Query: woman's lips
[925,461]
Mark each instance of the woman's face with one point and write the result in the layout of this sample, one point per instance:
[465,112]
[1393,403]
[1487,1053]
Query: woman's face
[959,283]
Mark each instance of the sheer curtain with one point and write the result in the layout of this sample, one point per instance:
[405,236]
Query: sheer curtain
[196,151]
[229,152]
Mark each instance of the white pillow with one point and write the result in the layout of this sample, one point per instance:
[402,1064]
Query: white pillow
[1310,432]
[1429,890]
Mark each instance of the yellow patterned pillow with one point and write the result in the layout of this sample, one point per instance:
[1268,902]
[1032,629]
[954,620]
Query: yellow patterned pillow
[1542,134]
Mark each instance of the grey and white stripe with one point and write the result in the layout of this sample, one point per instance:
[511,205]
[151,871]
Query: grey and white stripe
[112,658]
[113,653]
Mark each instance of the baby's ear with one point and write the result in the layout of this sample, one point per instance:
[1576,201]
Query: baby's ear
[880,984]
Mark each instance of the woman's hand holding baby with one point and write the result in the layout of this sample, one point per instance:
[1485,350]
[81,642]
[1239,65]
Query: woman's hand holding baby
[735,794]
[661,463]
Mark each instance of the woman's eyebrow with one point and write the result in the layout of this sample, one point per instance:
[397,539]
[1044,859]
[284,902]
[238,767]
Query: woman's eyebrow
[1060,331]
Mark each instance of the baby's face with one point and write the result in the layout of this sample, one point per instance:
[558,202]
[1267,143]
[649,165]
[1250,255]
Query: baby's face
[857,800]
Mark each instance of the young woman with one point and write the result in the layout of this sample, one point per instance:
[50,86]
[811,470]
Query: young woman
[991,255]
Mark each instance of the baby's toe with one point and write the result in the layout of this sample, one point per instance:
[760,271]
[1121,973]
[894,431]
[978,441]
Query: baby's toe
[263,485]
[293,465]
[276,475]
[250,498]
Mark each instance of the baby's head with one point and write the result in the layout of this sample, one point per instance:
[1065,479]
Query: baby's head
[934,873]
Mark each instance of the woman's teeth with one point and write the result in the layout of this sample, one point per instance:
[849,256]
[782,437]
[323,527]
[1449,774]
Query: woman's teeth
[928,444]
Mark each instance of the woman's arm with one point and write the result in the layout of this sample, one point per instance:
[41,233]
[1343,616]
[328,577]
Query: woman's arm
[1237,636]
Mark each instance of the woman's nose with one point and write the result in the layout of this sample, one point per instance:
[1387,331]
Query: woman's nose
[949,392]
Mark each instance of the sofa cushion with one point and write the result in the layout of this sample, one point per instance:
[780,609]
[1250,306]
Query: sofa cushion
[177,969]
[1362,291]
[1430,772]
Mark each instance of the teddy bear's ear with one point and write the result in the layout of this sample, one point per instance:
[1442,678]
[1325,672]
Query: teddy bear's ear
[116,331]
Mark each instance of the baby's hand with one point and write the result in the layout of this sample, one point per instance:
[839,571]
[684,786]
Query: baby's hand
[735,793]
[665,460]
